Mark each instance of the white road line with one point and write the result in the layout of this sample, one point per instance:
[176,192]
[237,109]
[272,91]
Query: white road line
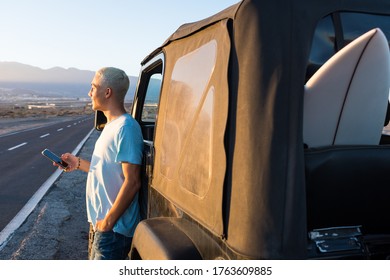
[17,146]
[60,129]
[44,135]
[69,126]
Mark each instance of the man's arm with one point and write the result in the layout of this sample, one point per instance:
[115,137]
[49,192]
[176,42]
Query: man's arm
[130,187]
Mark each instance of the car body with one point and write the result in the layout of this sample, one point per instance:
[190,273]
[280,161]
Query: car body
[227,174]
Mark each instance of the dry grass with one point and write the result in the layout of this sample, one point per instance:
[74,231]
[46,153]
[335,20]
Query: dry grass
[23,112]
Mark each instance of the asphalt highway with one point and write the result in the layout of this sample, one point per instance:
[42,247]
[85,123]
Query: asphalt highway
[23,169]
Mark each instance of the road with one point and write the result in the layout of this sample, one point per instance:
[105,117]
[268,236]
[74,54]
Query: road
[22,167]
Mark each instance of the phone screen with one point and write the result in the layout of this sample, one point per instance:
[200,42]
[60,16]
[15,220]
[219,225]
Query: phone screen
[53,157]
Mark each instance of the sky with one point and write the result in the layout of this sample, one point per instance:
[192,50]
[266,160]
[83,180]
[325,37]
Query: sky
[90,34]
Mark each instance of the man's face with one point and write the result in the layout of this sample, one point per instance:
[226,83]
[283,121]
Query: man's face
[97,94]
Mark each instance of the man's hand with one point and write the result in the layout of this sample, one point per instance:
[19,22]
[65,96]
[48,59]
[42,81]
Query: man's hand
[103,225]
[74,163]
[71,160]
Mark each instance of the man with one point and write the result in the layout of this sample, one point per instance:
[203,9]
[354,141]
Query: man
[114,171]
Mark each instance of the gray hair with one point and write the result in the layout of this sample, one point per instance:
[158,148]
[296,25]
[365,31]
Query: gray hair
[116,79]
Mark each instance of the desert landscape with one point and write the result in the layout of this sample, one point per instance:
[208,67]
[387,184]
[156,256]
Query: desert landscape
[31,97]
[18,117]
[9,111]
[30,115]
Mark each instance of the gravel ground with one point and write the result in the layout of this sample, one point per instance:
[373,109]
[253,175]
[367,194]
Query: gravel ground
[58,228]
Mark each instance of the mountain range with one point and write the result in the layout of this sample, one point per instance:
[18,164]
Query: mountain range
[53,82]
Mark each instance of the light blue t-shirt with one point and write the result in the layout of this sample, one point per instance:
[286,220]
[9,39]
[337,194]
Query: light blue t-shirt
[121,141]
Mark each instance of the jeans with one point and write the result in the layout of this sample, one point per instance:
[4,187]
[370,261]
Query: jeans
[110,246]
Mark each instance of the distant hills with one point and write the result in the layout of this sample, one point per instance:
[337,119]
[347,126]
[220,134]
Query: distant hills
[53,82]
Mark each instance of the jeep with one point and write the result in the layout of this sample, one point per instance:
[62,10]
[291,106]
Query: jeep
[265,134]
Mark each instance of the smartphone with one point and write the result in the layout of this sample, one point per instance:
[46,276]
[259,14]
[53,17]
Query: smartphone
[54,158]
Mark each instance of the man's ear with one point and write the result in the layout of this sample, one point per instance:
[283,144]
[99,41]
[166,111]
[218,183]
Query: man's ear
[108,93]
